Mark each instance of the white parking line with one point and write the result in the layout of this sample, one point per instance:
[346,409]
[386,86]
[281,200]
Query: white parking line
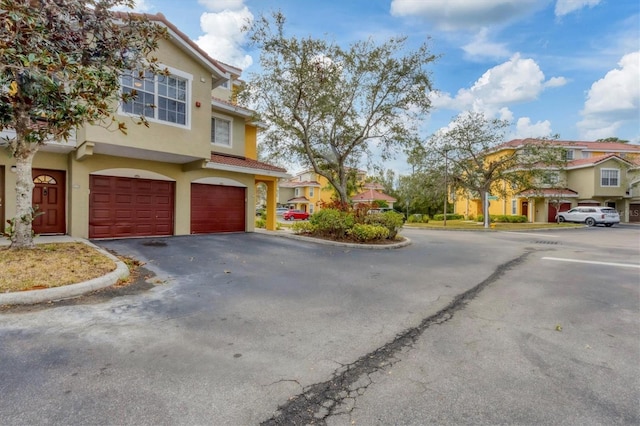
[593,262]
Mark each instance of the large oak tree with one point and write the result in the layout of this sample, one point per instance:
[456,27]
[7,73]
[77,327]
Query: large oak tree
[328,107]
[60,63]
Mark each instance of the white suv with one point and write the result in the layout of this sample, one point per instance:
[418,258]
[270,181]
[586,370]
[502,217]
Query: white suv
[591,215]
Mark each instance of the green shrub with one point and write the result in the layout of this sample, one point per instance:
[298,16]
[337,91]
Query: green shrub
[502,218]
[261,223]
[303,227]
[450,216]
[391,220]
[418,218]
[365,233]
[331,222]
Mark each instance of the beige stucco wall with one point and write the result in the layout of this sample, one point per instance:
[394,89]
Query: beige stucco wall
[193,139]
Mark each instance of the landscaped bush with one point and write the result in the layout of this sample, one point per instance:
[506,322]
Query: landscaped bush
[418,218]
[261,223]
[450,216]
[332,223]
[502,218]
[391,220]
[303,227]
[365,233]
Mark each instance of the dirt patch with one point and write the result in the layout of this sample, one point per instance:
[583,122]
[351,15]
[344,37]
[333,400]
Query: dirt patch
[51,265]
[139,281]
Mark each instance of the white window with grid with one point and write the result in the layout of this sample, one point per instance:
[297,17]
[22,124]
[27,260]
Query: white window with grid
[610,177]
[162,98]
[221,130]
[514,206]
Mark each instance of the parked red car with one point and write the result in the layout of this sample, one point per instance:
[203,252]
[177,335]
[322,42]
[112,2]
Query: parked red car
[295,214]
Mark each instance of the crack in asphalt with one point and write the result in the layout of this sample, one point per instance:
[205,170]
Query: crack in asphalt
[337,395]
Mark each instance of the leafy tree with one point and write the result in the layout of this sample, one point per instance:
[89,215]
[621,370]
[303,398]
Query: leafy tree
[478,165]
[327,106]
[612,140]
[60,63]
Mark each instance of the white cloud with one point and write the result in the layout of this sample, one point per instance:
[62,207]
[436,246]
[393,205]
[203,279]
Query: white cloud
[526,129]
[515,81]
[466,14]
[480,47]
[564,7]
[140,6]
[221,5]
[613,101]
[223,37]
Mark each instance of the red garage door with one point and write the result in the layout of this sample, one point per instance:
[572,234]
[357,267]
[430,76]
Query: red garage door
[126,207]
[216,208]
[552,210]
[634,212]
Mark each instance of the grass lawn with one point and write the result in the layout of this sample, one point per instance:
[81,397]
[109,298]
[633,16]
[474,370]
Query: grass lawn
[51,265]
[466,224]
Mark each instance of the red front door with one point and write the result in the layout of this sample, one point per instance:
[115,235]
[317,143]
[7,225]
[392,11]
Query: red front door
[525,208]
[48,201]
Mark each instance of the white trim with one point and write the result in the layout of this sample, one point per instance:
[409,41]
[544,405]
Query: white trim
[219,181]
[229,108]
[245,170]
[132,173]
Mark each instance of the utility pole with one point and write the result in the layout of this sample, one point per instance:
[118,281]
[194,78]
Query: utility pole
[446,191]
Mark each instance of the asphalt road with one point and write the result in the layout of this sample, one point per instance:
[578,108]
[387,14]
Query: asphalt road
[242,329]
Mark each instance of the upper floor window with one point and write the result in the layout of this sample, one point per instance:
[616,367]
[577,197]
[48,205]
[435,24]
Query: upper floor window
[158,97]
[297,192]
[609,177]
[311,192]
[567,154]
[221,131]
[514,206]
[586,154]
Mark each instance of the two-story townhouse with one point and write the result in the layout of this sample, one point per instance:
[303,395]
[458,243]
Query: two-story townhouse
[193,170]
[596,173]
[310,191]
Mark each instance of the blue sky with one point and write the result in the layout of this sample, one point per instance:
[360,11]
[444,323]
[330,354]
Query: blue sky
[567,67]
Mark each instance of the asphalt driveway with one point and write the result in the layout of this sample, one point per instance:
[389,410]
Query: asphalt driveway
[238,325]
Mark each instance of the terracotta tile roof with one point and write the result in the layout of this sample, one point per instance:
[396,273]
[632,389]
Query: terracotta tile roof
[232,160]
[298,200]
[298,184]
[593,161]
[585,145]
[371,195]
[549,192]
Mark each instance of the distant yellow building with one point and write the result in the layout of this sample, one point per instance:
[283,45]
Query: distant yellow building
[596,173]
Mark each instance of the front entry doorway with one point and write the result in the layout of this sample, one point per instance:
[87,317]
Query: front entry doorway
[48,201]
[525,209]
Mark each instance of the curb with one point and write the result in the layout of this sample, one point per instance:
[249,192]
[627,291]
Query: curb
[285,234]
[31,297]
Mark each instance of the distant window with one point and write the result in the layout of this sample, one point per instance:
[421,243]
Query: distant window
[311,192]
[220,131]
[226,84]
[514,206]
[567,154]
[610,177]
[311,208]
[297,192]
[586,154]
[158,97]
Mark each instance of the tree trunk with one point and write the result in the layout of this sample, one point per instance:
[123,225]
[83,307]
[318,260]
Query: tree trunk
[22,232]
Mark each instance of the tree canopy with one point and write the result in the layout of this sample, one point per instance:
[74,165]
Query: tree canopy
[329,107]
[60,64]
[476,163]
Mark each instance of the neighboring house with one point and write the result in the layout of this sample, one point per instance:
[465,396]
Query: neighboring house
[309,191]
[194,170]
[596,173]
[373,192]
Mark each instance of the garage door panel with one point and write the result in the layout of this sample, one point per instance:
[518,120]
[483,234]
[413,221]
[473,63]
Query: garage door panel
[216,208]
[127,207]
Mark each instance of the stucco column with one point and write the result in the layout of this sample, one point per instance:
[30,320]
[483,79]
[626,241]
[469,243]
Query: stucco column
[271,205]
